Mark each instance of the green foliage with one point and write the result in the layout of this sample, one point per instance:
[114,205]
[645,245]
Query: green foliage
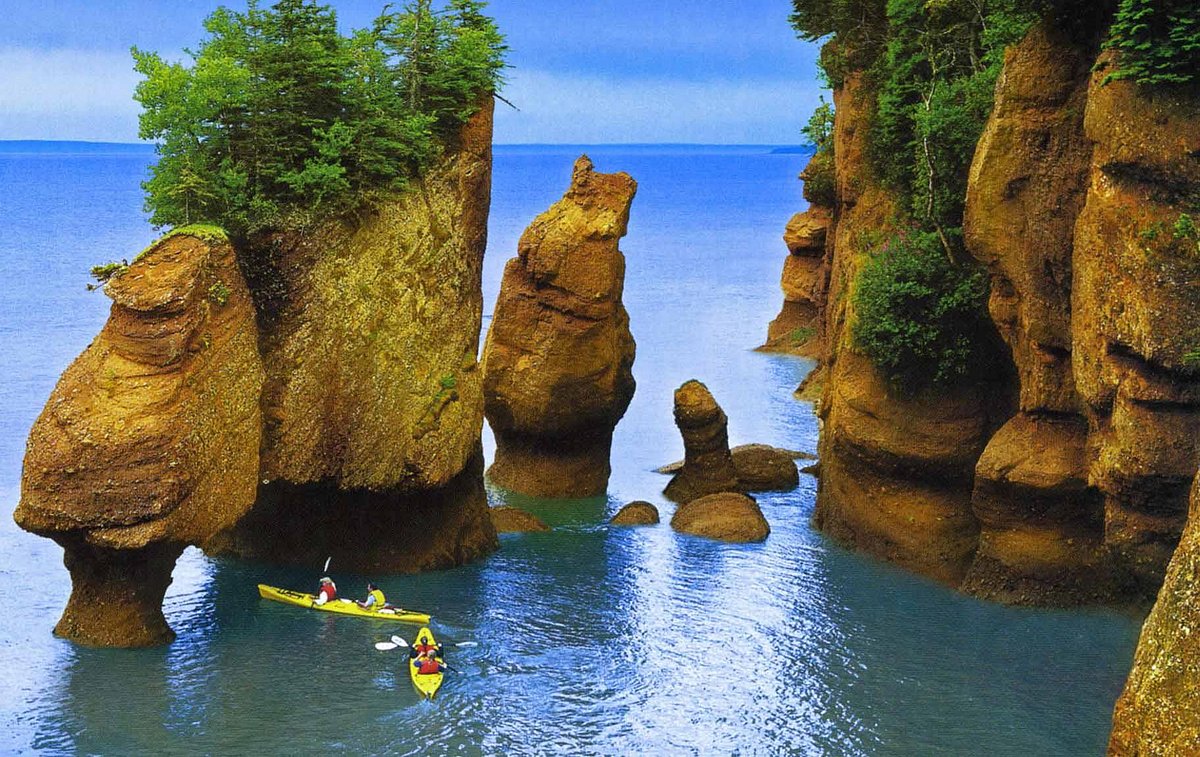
[106,272]
[918,316]
[801,335]
[279,118]
[448,382]
[1191,358]
[820,185]
[858,28]
[1158,42]
[219,293]
[936,82]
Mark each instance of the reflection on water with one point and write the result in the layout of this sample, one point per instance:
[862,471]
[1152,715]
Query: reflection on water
[590,639]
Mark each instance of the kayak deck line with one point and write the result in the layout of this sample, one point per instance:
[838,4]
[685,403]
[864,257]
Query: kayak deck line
[340,606]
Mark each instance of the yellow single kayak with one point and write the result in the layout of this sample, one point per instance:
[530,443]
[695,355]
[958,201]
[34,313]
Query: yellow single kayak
[340,606]
[427,684]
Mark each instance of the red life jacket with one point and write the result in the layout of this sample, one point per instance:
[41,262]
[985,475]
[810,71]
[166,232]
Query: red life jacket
[428,666]
[423,648]
[330,590]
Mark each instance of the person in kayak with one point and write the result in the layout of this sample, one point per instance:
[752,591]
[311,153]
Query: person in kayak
[427,664]
[421,647]
[375,600]
[327,592]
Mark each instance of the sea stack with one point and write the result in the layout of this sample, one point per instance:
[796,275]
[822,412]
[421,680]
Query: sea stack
[150,440]
[707,464]
[559,354]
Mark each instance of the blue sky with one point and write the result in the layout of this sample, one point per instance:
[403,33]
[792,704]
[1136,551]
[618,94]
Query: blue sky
[584,71]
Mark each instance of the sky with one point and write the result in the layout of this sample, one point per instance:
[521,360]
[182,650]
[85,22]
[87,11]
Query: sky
[583,71]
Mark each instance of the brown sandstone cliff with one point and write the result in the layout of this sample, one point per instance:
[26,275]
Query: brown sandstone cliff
[327,403]
[559,354]
[150,441]
[373,402]
[797,329]
[895,471]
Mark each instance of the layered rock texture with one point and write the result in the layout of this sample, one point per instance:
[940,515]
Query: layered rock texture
[559,354]
[798,327]
[707,464]
[326,404]
[150,441]
[1066,481]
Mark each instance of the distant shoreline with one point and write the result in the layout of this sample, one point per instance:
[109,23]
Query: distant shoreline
[84,147]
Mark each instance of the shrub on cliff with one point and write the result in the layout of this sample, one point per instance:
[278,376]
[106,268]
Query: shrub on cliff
[820,183]
[917,315]
[280,119]
[1158,42]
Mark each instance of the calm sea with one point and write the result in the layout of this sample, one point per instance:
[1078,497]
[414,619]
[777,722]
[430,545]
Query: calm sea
[591,640]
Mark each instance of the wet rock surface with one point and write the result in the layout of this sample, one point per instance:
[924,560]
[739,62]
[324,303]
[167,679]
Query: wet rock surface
[636,514]
[559,353]
[510,520]
[725,516]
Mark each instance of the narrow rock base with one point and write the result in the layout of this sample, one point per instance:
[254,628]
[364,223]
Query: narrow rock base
[553,468]
[116,595]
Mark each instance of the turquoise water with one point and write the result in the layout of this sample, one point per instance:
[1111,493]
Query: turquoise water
[590,640]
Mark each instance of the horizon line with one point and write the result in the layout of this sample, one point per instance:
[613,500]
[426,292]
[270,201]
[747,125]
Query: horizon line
[494,144]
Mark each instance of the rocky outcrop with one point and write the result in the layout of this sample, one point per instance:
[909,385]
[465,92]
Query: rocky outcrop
[707,464]
[373,404]
[726,516]
[1042,524]
[510,520]
[305,396]
[896,471]
[1159,711]
[150,440]
[636,514]
[797,328]
[559,353]
[1136,319]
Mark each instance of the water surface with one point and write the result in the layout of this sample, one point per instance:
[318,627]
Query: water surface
[590,639]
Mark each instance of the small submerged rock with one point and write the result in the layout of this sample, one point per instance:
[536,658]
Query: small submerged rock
[726,516]
[636,514]
[510,520]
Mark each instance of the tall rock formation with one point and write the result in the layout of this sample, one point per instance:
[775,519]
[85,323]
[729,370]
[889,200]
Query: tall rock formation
[1041,522]
[327,404]
[559,354]
[373,403]
[896,471]
[150,441]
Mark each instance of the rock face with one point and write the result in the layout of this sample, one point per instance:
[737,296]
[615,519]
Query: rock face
[636,514]
[707,464]
[1136,318]
[150,441]
[559,353]
[373,404]
[327,404]
[510,520]
[727,516]
[1042,525]
[896,472]
[797,329]
[1159,711]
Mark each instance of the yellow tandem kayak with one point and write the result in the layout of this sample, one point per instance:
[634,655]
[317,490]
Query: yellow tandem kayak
[426,684]
[340,606]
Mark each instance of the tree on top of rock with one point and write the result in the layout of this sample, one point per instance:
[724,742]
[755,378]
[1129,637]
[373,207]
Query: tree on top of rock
[280,120]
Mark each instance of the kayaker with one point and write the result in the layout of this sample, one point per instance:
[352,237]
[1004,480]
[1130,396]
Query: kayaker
[422,647]
[375,599]
[427,664]
[327,592]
